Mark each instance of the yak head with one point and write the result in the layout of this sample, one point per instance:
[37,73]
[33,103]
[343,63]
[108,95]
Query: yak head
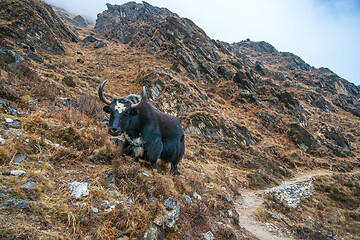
[121,110]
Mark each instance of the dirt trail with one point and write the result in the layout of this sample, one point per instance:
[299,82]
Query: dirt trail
[252,200]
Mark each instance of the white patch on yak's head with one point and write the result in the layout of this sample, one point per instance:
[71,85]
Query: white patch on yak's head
[120,107]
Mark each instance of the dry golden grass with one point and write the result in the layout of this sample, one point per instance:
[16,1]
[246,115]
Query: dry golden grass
[213,166]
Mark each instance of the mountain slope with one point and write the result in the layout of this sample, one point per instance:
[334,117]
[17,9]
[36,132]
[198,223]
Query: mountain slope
[35,25]
[253,117]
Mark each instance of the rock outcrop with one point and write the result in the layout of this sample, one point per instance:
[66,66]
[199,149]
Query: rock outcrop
[36,25]
[167,35]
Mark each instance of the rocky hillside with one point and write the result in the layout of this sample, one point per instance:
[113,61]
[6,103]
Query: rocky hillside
[34,25]
[253,117]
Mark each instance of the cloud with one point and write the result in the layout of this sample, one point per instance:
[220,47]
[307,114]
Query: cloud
[322,32]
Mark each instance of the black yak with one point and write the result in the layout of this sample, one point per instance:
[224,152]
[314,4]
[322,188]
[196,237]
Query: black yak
[149,133]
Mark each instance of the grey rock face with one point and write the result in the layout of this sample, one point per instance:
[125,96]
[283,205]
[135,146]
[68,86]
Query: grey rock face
[80,21]
[142,25]
[301,137]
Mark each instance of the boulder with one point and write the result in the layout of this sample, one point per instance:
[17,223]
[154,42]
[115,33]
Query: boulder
[80,21]
[302,138]
[89,39]
[100,44]
[79,189]
[171,215]
[339,139]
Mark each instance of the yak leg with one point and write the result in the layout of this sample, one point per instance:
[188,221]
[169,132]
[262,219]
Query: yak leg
[174,169]
[154,151]
[174,163]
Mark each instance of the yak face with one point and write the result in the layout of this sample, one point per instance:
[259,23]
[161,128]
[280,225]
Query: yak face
[120,116]
[122,110]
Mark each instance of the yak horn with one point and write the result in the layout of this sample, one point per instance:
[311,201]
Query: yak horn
[101,94]
[143,99]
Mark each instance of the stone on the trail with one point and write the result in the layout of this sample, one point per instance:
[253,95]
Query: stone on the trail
[208,236]
[79,189]
[95,210]
[29,185]
[2,195]
[16,203]
[293,194]
[18,173]
[2,141]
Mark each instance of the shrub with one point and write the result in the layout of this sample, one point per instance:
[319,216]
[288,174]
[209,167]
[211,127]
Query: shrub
[69,81]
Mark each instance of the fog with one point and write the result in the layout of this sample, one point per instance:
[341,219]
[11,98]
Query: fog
[324,33]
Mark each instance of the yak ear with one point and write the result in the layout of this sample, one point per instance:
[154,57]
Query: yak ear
[106,109]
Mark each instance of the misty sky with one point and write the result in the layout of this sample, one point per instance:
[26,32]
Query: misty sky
[324,33]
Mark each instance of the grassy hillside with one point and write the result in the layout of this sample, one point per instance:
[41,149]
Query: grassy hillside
[249,126]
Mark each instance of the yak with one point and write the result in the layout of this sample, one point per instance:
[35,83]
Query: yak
[149,133]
